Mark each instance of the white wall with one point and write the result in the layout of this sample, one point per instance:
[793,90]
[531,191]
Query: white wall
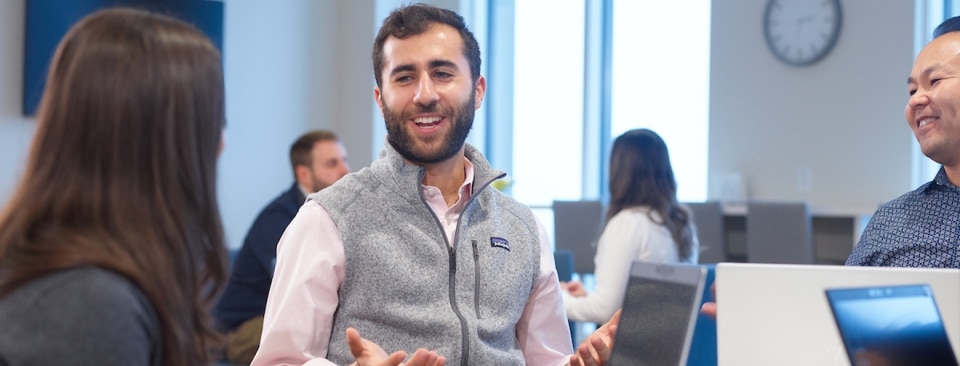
[268,104]
[841,118]
[290,66]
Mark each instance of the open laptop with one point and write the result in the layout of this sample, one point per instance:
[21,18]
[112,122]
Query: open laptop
[659,313]
[777,314]
[891,325]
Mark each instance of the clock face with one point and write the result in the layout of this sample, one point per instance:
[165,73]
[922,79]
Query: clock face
[801,32]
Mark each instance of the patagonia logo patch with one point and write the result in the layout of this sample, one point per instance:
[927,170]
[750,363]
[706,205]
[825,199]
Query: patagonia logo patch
[500,243]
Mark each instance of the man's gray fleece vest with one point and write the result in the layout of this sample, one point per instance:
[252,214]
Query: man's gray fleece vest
[406,289]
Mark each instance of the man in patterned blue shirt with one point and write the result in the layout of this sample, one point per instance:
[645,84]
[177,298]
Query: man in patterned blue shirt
[922,227]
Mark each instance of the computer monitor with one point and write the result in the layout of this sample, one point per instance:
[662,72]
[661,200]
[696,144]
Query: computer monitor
[891,325]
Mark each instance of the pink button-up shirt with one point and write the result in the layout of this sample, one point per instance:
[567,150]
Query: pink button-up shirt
[310,268]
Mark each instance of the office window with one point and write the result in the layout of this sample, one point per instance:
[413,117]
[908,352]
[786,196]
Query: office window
[661,81]
[583,75]
[548,101]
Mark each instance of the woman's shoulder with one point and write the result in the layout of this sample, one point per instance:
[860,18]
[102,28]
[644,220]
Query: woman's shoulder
[92,286]
[636,213]
[84,313]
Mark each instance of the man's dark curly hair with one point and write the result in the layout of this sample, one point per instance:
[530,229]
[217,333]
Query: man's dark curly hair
[414,19]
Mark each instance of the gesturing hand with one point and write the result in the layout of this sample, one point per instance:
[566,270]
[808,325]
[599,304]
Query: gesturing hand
[575,288]
[595,350]
[369,353]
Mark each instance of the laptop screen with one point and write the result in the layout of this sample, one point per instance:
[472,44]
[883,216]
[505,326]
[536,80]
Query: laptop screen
[659,313]
[891,325]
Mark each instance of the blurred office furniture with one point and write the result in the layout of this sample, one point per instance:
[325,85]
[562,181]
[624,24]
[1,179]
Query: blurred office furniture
[779,232]
[835,230]
[708,218]
[577,226]
[564,261]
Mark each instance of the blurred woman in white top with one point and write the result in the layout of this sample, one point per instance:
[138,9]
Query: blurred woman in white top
[644,222]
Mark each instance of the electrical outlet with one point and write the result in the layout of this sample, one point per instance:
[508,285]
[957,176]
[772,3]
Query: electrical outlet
[804,179]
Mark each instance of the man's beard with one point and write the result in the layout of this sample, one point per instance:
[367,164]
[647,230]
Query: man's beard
[317,185]
[405,144]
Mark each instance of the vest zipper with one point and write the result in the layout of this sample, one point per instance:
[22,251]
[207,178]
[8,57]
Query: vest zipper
[465,351]
[476,285]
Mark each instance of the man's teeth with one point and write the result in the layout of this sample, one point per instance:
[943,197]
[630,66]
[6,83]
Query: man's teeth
[925,121]
[426,121]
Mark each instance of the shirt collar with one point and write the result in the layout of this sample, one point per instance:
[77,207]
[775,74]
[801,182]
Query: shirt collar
[303,190]
[940,180]
[466,188]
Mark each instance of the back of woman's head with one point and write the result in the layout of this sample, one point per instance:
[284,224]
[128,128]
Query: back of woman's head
[641,175]
[640,171]
[122,170]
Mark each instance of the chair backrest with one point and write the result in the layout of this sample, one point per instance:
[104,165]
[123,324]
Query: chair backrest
[779,232]
[708,217]
[564,261]
[577,226]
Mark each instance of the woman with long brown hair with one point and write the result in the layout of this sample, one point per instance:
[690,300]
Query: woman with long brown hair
[111,247]
[644,222]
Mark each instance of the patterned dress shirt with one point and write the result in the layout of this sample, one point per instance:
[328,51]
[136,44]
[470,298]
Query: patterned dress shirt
[918,229]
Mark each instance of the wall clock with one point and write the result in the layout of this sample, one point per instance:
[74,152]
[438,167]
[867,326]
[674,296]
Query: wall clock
[801,32]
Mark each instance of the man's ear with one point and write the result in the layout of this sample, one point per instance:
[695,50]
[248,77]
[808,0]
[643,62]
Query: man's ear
[481,88]
[376,97]
[303,175]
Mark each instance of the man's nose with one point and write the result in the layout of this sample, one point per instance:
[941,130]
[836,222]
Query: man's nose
[919,98]
[426,92]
